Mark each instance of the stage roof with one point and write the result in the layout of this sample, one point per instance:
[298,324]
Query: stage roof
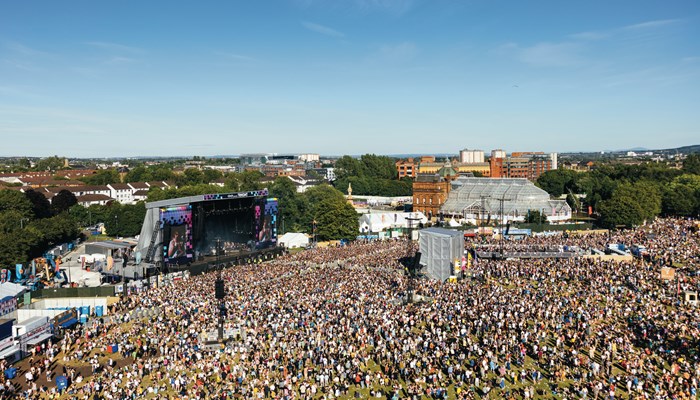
[205,197]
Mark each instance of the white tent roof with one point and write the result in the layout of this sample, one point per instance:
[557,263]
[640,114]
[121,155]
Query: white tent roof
[378,222]
[11,289]
[291,239]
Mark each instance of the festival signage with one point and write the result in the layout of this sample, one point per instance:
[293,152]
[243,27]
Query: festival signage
[668,273]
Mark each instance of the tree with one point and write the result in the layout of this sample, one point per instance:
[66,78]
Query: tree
[630,205]
[51,163]
[161,173]
[691,164]
[63,201]
[381,167]
[124,220]
[16,201]
[102,177]
[347,166]
[192,176]
[41,208]
[557,182]
[50,232]
[336,220]
[644,193]
[232,182]
[289,203]
[679,200]
[533,217]
[620,211]
[137,174]
[211,175]
[250,180]
[327,206]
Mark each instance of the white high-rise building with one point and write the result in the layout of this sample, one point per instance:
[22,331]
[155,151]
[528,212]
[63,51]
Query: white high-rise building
[498,153]
[554,157]
[309,157]
[467,156]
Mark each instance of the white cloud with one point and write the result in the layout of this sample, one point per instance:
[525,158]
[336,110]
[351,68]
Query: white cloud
[234,56]
[115,47]
[652,24]
[544,54]
[551,54]
[392,7]
[324,30]
[591,35]
[117,60]
[23,50]
[399,52]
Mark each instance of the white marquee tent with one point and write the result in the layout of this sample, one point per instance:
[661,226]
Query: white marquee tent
[381,221]
[293,239]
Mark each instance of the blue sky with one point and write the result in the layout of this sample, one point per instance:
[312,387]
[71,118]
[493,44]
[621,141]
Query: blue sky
[129,78]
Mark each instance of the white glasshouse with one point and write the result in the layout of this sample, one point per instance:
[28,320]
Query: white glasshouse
[511,199]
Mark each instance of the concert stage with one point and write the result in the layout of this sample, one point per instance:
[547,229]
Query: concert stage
[191,231]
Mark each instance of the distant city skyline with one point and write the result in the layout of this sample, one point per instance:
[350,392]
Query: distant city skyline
[92,79]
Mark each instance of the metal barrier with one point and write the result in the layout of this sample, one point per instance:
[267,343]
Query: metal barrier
[100,291]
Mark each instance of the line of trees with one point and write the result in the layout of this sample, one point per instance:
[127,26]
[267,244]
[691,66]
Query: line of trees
[321,206]
[30,225]
[627,195]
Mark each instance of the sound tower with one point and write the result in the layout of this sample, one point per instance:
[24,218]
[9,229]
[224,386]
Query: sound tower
[220,291]
[415,266]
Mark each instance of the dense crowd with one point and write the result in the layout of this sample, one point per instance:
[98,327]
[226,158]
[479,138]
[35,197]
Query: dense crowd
[329,323]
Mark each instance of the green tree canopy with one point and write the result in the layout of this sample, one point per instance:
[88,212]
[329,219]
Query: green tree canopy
[336,221]
[211,175]
[644,193]
[191,177]
[63,201]
[558,182]
[41,208]
[334,217]
[16,201]
[534,217]
[691,164]
[620,211]
[124,220]
[51,163]
[679,200]
[102,177]
[137,174]
[289,201]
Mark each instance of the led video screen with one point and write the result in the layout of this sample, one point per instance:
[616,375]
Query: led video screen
[177,234]
[266,223]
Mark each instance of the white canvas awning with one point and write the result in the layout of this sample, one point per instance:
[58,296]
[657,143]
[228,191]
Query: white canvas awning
[38,339]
